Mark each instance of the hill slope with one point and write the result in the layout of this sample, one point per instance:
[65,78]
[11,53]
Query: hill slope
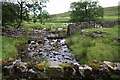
[109,11]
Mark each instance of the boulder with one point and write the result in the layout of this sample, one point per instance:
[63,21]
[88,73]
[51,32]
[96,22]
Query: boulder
[21,66]
[99,33]
[69,71]
[59,29]
[54,70]
[84,32]
[112,66]
[72,28]
[39,66]
[83,69]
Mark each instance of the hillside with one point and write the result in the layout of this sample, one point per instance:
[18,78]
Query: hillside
[109,11]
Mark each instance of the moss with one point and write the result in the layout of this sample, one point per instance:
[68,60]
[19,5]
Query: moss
[40,67]
[3,62]
[30,64]
[65,65]
[95,65]
[11,59]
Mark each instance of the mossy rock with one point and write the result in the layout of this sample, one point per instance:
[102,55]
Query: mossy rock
[113,64]
[3,62]
[40,67]
[95,65]
[11,60]
[0,61]
[30,64]
[66,65]
[54,72]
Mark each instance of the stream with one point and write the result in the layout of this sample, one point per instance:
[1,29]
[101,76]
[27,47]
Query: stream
[51,48]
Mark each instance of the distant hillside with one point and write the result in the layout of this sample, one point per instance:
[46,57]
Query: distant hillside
[66,14]
[109,11]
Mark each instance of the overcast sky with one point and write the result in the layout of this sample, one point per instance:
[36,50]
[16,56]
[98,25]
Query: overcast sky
[61,6]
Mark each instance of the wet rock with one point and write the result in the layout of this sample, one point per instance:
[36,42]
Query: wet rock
[67,57]
[56,53]
[65,50]
[40,41]
[40,53]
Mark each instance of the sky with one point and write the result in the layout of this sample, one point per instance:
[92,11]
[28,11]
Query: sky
[61,6]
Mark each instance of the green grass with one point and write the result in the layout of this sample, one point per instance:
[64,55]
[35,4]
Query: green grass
[110,18]
[87,48]
[9,46]
[48,26]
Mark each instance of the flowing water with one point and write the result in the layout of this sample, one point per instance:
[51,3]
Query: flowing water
[51,48]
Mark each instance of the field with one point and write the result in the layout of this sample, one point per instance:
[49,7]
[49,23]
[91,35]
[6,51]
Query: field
[46,26]
[87,49]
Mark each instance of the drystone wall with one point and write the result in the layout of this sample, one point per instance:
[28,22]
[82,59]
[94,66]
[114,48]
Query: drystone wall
[18,70]
[21,33]
[75,27]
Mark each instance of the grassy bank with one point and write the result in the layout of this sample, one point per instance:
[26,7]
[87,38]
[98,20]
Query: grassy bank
[87,48]
[9,46]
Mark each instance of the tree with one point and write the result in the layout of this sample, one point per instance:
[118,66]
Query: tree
[32,6]
[44,16]
[19,11]
[86,11]
[37,9]
[10,13]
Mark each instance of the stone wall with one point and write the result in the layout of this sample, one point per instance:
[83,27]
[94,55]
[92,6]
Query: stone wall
[15,69]
[72,28]
[21,33]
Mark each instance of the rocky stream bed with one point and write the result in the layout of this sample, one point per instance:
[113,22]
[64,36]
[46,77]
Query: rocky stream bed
[52,48]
